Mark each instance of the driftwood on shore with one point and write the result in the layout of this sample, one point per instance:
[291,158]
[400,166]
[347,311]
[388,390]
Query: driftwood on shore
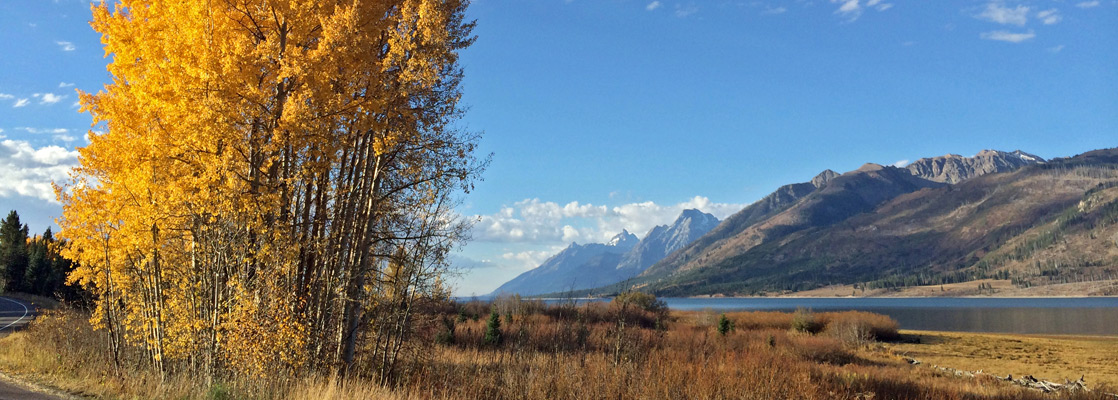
[1027,381]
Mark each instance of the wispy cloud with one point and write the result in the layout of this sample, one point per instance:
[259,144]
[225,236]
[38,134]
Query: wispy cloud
[902,163]
[66,46]
[5,96]
[1088,4]
[851,10]
[652,6]
[879,5]
[1056,49]
[774,11]
[1049,17]
[20,103]
[1006,36]
[999,13]
[65,85]
[684,11]
[37,131]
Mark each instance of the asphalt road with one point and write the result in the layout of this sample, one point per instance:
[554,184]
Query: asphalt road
[14,315]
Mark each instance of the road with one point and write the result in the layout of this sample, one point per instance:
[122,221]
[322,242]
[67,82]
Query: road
[14,315]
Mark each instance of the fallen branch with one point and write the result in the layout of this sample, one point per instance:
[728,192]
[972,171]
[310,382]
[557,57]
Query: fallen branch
[1027,381]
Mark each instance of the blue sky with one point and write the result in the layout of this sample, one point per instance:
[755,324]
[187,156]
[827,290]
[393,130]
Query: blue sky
[605,115]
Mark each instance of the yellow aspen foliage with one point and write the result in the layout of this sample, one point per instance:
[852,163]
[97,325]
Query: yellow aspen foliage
[265,169]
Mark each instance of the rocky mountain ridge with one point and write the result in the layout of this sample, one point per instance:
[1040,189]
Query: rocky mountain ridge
[941,219]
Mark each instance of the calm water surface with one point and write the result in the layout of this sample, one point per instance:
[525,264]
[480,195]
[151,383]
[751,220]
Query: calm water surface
[1062,315]
[1036,315]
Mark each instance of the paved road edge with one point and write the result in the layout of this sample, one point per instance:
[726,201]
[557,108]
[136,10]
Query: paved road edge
[35,387]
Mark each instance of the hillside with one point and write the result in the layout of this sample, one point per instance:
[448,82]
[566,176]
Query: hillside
[886,227]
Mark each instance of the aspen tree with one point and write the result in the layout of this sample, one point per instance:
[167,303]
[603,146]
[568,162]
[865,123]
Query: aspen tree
[275,181]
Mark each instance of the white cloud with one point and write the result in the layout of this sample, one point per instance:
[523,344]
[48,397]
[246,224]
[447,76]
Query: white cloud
[545,222]
[5,96]
[684,11]
[999,13]
[1007,36]
[66,46]
[901,163]
[1049,17]
[652,6]
[20,103]
[526,260]
[51,98]
[65,138]
[27,171]
[774,11]
[1088,4]
[1056,49]
[65,85]
[77,104]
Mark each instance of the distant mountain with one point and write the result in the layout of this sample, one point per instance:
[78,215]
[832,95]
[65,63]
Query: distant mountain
[623,257]
[717,238]
[576,267]
[953,168]
[945,219]
[666,239]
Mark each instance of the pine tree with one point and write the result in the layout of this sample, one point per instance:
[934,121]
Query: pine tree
[725,325]
[13,252]
[493,329]
[38,267]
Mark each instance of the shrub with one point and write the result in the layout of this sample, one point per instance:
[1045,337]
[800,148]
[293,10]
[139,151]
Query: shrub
[644,301]
[804,321]
[446,335]
[856,327]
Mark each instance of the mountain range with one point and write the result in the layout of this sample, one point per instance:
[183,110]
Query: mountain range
[1008,215]
[593,265]
[1005,215]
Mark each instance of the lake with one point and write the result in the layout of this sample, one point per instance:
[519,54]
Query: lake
[1034,315]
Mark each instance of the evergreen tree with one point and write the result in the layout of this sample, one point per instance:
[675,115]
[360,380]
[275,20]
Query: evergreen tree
[38,268]
[493,329]
[725,325]
[13,252]
[46,271]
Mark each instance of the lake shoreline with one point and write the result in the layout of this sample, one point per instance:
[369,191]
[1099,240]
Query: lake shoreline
[984,288]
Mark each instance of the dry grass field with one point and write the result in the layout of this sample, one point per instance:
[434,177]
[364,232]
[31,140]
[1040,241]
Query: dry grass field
[1054,358]
[596,351]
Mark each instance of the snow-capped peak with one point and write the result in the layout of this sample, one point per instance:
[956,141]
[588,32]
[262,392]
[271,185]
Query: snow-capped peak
[623,239]
[1027,157]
